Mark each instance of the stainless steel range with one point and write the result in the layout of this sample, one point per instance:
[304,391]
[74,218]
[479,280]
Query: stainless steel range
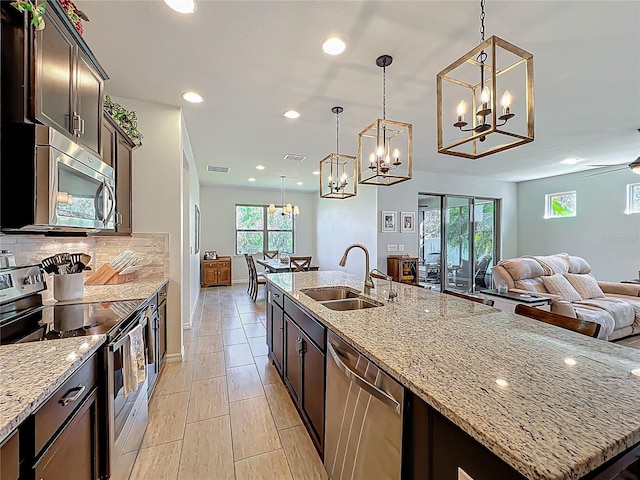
[23,318]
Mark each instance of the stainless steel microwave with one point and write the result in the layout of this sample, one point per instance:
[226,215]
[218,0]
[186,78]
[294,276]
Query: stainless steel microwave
[51,183]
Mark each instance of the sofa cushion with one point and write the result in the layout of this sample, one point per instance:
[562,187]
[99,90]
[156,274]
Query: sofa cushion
[522,268]
[558,263]
[628,289]
[585,285]
[558,285]
[597,315]
[532,285]
[622,312]
[578,265]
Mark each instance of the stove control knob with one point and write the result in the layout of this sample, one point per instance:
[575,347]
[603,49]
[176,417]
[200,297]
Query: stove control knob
[28,280]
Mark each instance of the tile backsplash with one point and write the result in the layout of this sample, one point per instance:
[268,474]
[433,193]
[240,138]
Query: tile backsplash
[152,247]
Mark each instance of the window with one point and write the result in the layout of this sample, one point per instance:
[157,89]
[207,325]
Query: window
[256,230]
[558,205]
[633,198]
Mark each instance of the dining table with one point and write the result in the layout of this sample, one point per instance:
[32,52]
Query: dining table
[276,266]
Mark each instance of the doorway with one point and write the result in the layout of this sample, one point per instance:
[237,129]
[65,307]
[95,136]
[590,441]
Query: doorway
[458,241]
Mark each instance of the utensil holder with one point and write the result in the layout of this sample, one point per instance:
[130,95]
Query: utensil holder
[68,287]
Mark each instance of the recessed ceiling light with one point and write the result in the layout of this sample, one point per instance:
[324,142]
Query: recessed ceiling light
[299,183]
[252,179]
[333,46]
[192,97]
[316,172]
[570,161]
[291,114]
[182,6]
[260,167]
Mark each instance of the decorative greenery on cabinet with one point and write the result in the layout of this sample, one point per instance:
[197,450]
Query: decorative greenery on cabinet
[128,120]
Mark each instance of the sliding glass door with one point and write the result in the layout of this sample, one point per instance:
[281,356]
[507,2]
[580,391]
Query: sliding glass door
[458,238]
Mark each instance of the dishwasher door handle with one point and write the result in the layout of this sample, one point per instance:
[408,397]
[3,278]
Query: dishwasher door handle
[371,389]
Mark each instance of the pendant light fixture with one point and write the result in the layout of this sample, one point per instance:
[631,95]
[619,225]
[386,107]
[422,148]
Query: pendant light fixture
[287,208]
[385,148]
[338,171]
[493,68]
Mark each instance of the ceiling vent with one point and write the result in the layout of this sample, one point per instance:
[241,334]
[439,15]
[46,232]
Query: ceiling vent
[293,156]
[211,168]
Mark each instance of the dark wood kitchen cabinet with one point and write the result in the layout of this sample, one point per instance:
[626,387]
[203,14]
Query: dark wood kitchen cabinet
[118,152]
[275,327]
[54,77]
[10,457]
[304,368]
[157,336]
[67,426]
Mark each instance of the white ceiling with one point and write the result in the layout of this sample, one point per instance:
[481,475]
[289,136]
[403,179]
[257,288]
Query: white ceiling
[251,61]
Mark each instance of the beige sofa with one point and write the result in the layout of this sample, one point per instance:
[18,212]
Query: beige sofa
[615,306]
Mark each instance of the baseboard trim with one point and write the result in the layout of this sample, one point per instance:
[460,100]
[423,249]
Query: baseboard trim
[173,357]
[237,282]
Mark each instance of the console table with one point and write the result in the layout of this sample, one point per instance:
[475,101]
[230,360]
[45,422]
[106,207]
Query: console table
[507,301]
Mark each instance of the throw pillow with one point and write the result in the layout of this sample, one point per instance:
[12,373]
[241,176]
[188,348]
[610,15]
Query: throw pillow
[558,285]
[585,285]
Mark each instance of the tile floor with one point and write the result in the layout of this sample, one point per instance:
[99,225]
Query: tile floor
[224,413]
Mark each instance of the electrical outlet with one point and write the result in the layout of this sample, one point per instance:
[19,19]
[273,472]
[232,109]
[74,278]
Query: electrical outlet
[392,248]
[401,248]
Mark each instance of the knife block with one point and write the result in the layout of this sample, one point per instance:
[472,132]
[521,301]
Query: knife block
[119,278]
[101,276]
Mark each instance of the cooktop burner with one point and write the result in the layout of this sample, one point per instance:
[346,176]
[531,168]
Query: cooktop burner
[52,322]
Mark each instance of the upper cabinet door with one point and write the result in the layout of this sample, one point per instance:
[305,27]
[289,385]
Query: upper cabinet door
[54,75]
[89,96]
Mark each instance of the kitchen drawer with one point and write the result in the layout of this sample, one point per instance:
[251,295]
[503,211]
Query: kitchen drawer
[60,406]
[277,295]
[314,330]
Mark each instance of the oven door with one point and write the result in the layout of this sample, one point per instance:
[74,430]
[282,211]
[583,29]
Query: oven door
[81,195]
[127,416]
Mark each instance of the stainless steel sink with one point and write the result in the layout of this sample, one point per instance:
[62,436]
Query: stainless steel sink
[324,294]
[350,304]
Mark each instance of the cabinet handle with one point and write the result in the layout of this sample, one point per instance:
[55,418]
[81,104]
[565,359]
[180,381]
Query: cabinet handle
[118,218]
[68,398]
[162,294]
[81,126]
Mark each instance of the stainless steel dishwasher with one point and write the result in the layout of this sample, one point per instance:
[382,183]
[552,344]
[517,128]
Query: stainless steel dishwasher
[364,408]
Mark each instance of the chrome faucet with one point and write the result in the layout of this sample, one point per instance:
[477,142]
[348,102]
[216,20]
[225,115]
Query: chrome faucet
[367,276]
[392,293]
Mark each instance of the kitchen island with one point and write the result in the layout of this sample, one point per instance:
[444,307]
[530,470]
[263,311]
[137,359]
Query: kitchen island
[550,403]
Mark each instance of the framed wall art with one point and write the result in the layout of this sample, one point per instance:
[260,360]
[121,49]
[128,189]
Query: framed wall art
[408,222]
[388,221]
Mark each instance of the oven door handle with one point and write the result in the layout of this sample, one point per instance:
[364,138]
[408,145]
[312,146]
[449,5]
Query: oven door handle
[99,212]
[123,337]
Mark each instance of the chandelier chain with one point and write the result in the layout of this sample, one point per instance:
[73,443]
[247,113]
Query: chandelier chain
[482,15]
[337,132]
[384,93]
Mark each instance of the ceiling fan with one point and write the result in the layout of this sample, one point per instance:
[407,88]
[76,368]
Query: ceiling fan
[634,166]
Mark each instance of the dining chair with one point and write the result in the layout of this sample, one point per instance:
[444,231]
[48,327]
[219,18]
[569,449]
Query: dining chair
[484,301]
[299,264]
[255,279]
[269,254]
[585,327]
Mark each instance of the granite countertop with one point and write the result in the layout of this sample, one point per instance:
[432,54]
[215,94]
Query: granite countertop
[565,404]
[138,289]
[31,372]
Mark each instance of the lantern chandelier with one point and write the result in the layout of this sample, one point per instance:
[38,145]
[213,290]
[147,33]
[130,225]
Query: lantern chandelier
[381,144]
[287,208]
[505,64]
[338,171]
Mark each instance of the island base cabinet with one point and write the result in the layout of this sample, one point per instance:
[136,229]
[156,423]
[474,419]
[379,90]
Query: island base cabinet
[277,338]
[73,453]
[10,458]
[437,449]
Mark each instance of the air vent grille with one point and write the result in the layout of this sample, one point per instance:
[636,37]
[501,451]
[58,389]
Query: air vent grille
[211,168]
[294,157]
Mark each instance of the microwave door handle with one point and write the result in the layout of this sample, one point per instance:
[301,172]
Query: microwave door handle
[112,195]
[96,203]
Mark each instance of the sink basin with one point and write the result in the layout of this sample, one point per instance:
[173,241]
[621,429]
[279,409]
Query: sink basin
[324,294]
[350,304]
